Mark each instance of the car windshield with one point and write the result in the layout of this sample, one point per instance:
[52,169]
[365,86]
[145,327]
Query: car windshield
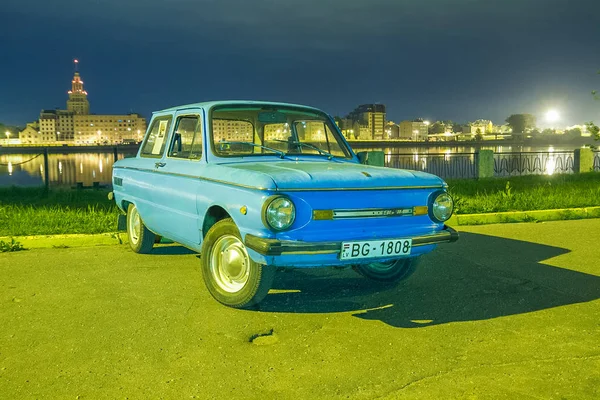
[251,130]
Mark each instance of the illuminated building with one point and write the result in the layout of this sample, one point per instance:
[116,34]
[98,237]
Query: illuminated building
[76,125]
[370,119]
[414,130]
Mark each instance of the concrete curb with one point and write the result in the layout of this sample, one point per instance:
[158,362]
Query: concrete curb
[65,241]
[116,238]
[524,216]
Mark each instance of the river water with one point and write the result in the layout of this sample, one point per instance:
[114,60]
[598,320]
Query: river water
[87,168]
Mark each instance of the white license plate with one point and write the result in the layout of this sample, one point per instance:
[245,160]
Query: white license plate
[375,248]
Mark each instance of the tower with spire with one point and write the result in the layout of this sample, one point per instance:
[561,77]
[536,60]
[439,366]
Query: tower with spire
[78,102]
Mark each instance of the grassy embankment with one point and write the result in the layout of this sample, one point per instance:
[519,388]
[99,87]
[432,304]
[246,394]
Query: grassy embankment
[525,193]
[32,212]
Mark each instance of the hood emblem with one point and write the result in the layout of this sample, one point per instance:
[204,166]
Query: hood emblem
[366,174]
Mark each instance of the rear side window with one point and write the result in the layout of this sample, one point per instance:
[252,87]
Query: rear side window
[156,139]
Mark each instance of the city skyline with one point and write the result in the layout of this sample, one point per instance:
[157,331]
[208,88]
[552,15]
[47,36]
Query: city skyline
[462,61]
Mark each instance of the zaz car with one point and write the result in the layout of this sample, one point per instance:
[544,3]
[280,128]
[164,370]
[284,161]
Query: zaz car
[254,186]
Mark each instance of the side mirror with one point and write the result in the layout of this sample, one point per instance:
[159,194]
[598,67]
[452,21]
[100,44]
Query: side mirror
[375,158]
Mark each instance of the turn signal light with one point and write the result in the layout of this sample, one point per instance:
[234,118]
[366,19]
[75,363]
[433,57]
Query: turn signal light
[420,210]
[322,215]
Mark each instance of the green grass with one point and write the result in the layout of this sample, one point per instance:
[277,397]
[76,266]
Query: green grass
[11,245]
[526,193]
[27,211]
[31,211]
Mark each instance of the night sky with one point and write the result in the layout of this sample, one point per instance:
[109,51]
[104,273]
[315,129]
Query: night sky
[436,59]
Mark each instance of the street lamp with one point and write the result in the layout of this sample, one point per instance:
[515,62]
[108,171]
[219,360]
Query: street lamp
[7,133]
[552,116]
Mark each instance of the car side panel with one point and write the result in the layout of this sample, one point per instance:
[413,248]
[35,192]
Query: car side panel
[137,183]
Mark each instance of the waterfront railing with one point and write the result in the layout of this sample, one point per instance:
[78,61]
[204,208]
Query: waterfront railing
[444,165]
[465,165]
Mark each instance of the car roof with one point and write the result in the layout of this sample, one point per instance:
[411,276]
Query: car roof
[210,104]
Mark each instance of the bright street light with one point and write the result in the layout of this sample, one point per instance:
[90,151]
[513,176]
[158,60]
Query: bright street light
[427,123]
[552,116]
[7,134]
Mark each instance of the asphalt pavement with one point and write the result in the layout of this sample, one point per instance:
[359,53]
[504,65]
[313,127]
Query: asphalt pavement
[508,312]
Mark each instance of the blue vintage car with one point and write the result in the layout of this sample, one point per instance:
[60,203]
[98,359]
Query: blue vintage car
[254,186]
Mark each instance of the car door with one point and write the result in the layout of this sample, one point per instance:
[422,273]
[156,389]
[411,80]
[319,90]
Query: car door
[143,179]
[180,168]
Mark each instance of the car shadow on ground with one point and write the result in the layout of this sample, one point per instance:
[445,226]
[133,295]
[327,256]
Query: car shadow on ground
[171,250]
[479,277]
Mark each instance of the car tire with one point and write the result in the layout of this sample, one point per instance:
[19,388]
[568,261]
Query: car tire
[229,273]
[390,272]
[141,240]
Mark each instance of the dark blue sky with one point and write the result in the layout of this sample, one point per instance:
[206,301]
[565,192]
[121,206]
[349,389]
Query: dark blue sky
[436,59]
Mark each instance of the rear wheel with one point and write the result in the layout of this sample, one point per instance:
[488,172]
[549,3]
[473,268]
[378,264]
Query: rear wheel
[392,271]
[141,240]
[230,275]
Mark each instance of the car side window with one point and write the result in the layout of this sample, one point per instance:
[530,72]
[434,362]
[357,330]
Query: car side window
[156,139]
[187,139]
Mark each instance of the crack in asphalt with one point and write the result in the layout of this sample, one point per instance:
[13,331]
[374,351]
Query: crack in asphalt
[507,364]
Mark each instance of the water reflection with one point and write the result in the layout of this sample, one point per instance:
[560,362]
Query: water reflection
[550,164]
[63,169]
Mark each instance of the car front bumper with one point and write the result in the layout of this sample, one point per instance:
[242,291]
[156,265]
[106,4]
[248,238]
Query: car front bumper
[274,247]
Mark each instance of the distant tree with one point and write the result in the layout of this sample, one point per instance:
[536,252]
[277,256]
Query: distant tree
[457,128]
[548,132]
[520,123]
[437,128]
[478,135]
[338,121]
[592,128]
[573,133]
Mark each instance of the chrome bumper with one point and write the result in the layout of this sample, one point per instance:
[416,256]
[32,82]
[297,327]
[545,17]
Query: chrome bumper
[274,247]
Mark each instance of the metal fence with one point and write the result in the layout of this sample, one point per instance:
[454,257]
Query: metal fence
[444,165]
[464,165]
[533,163]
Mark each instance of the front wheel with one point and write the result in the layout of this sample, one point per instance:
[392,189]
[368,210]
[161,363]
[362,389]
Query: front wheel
[230,275]
[141,240]
[391,272]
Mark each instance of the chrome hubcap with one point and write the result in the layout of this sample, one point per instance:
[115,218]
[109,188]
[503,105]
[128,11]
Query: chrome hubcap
[229,264]
[134,226]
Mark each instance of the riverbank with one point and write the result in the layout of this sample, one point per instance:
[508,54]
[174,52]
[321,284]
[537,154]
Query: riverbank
[31,211]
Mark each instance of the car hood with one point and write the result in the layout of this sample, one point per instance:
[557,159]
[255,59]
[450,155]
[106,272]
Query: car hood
[331,175]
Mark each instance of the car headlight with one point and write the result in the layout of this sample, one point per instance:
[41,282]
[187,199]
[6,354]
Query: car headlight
[442,207]
[279,213]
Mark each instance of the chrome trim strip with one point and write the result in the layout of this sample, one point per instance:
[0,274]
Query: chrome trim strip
[274,247]
[373,213]
[358,189]
[282,189]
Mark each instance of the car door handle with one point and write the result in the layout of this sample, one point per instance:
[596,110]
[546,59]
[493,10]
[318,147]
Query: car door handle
[160,164]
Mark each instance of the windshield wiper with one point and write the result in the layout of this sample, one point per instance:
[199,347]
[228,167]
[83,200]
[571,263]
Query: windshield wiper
[310,146]
[279,152]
